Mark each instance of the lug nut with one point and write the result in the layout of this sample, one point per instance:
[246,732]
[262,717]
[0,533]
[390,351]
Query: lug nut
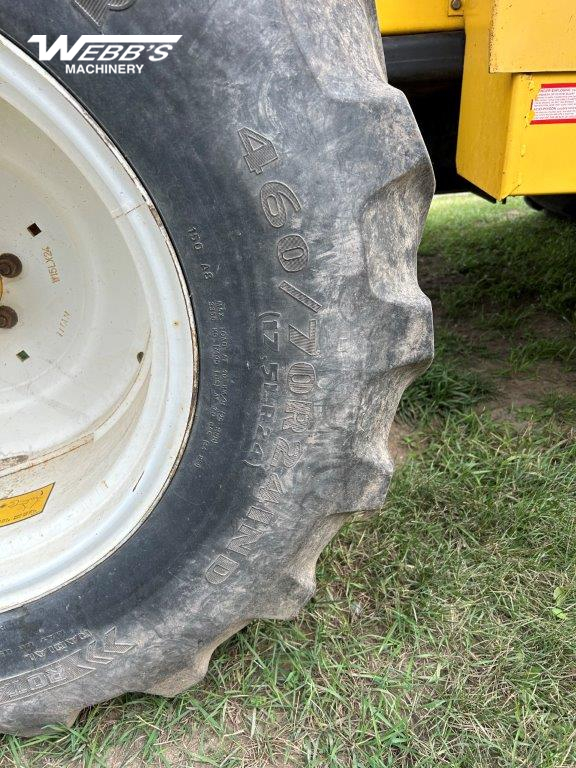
[8,317]
[10,265]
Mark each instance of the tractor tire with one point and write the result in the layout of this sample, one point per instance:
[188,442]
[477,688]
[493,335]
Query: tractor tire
[292,184]
[561,206]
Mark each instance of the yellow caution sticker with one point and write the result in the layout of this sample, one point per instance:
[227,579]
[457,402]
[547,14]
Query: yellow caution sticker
[17,508]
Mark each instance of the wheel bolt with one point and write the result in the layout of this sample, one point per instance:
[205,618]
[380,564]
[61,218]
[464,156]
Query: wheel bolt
[8,317]
[10,265]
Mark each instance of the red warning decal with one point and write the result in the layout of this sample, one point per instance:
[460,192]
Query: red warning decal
[555,103]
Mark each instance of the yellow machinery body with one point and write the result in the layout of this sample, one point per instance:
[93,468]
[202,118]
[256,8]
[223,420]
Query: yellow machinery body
[517,129]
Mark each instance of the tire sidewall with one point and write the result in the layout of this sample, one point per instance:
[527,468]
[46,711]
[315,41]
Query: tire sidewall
[256,482]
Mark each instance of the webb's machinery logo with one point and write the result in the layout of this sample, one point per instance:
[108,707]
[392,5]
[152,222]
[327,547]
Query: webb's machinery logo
[106,54]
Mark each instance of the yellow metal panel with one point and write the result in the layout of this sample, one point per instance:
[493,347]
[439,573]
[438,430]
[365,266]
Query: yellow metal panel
[500,149]
[542,156]
[533,36]
[484,109]
[398,17]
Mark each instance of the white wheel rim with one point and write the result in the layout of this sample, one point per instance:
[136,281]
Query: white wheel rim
[86,417]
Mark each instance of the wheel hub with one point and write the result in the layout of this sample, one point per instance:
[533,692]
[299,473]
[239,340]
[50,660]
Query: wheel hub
[97,342]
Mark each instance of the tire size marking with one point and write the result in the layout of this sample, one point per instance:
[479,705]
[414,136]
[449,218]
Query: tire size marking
[292,252]
[292,414]
[276,199]
[259,150]
[303,298]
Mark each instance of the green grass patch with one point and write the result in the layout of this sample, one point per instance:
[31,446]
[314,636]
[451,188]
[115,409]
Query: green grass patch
[503,261]
[446,387]
[559,407]
[524,356]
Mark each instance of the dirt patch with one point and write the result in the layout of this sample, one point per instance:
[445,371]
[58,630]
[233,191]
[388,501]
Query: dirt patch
[397,445]
[496,356]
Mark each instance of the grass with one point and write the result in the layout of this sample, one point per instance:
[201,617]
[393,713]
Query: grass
[442,633]
[445,388]
[524,356]
[511,260]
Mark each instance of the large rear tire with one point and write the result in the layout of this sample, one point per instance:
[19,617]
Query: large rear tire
[293,184]
[561,206]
